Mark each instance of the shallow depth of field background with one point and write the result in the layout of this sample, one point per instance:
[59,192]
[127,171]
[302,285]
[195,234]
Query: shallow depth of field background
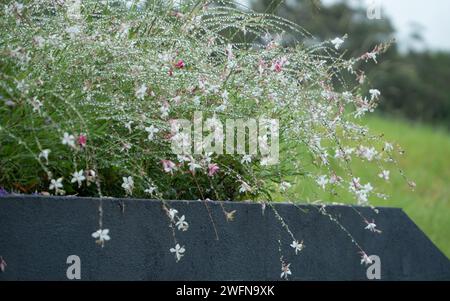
[414,79]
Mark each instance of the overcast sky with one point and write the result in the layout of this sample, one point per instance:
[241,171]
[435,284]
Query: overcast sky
[433,16]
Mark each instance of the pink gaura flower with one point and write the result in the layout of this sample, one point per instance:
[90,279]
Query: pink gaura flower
[279,64]
[213,168]
[82,140]
[180,64]
[168,166]
[277,67]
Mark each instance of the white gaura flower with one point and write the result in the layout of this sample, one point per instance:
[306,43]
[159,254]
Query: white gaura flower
[172,213]
[193,165]
[365,259]
[183,158]
[102,235]
[355,184]
[128,126]
[388,147]
[285,271]
[322,181]
[36,104]
[56,184]
[368,153]
[246,159]
[285,186]
[78,177]
[344,154]
[244,187]
[182,224]
[164,110]
[150,190]
[337,42]
[179,251]
[128,185]
[44,154]
[151,130]
[335,179]
[374,93]
[368,188]
[68,140]
[372,227]
[298,246]
[140,92]
[384,175]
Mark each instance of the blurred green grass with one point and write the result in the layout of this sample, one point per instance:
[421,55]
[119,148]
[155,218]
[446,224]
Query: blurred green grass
[426,162]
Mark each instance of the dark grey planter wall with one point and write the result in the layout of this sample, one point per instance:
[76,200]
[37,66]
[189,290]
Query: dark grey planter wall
[37,234]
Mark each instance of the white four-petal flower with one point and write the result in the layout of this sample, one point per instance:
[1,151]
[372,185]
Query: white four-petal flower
[285,186]
[128,185]
[56,184]
[172,213]
[384,175]
[246,159]
[298,246]
[102,235]
[151,130]
[182,224]
[285,271]
[78,176]
[337,42]
[179,251]
[44,154]
[372,227]
[322,181]
[150,190]
[68,140]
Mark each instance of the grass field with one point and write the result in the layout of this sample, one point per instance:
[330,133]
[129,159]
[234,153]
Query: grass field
[427,162]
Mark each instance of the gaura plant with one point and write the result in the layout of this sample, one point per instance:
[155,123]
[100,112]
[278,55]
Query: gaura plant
[90,92]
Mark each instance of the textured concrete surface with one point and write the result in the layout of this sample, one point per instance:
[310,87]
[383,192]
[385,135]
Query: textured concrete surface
[37,234]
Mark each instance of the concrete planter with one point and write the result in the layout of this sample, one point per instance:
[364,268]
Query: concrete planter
[37,234]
